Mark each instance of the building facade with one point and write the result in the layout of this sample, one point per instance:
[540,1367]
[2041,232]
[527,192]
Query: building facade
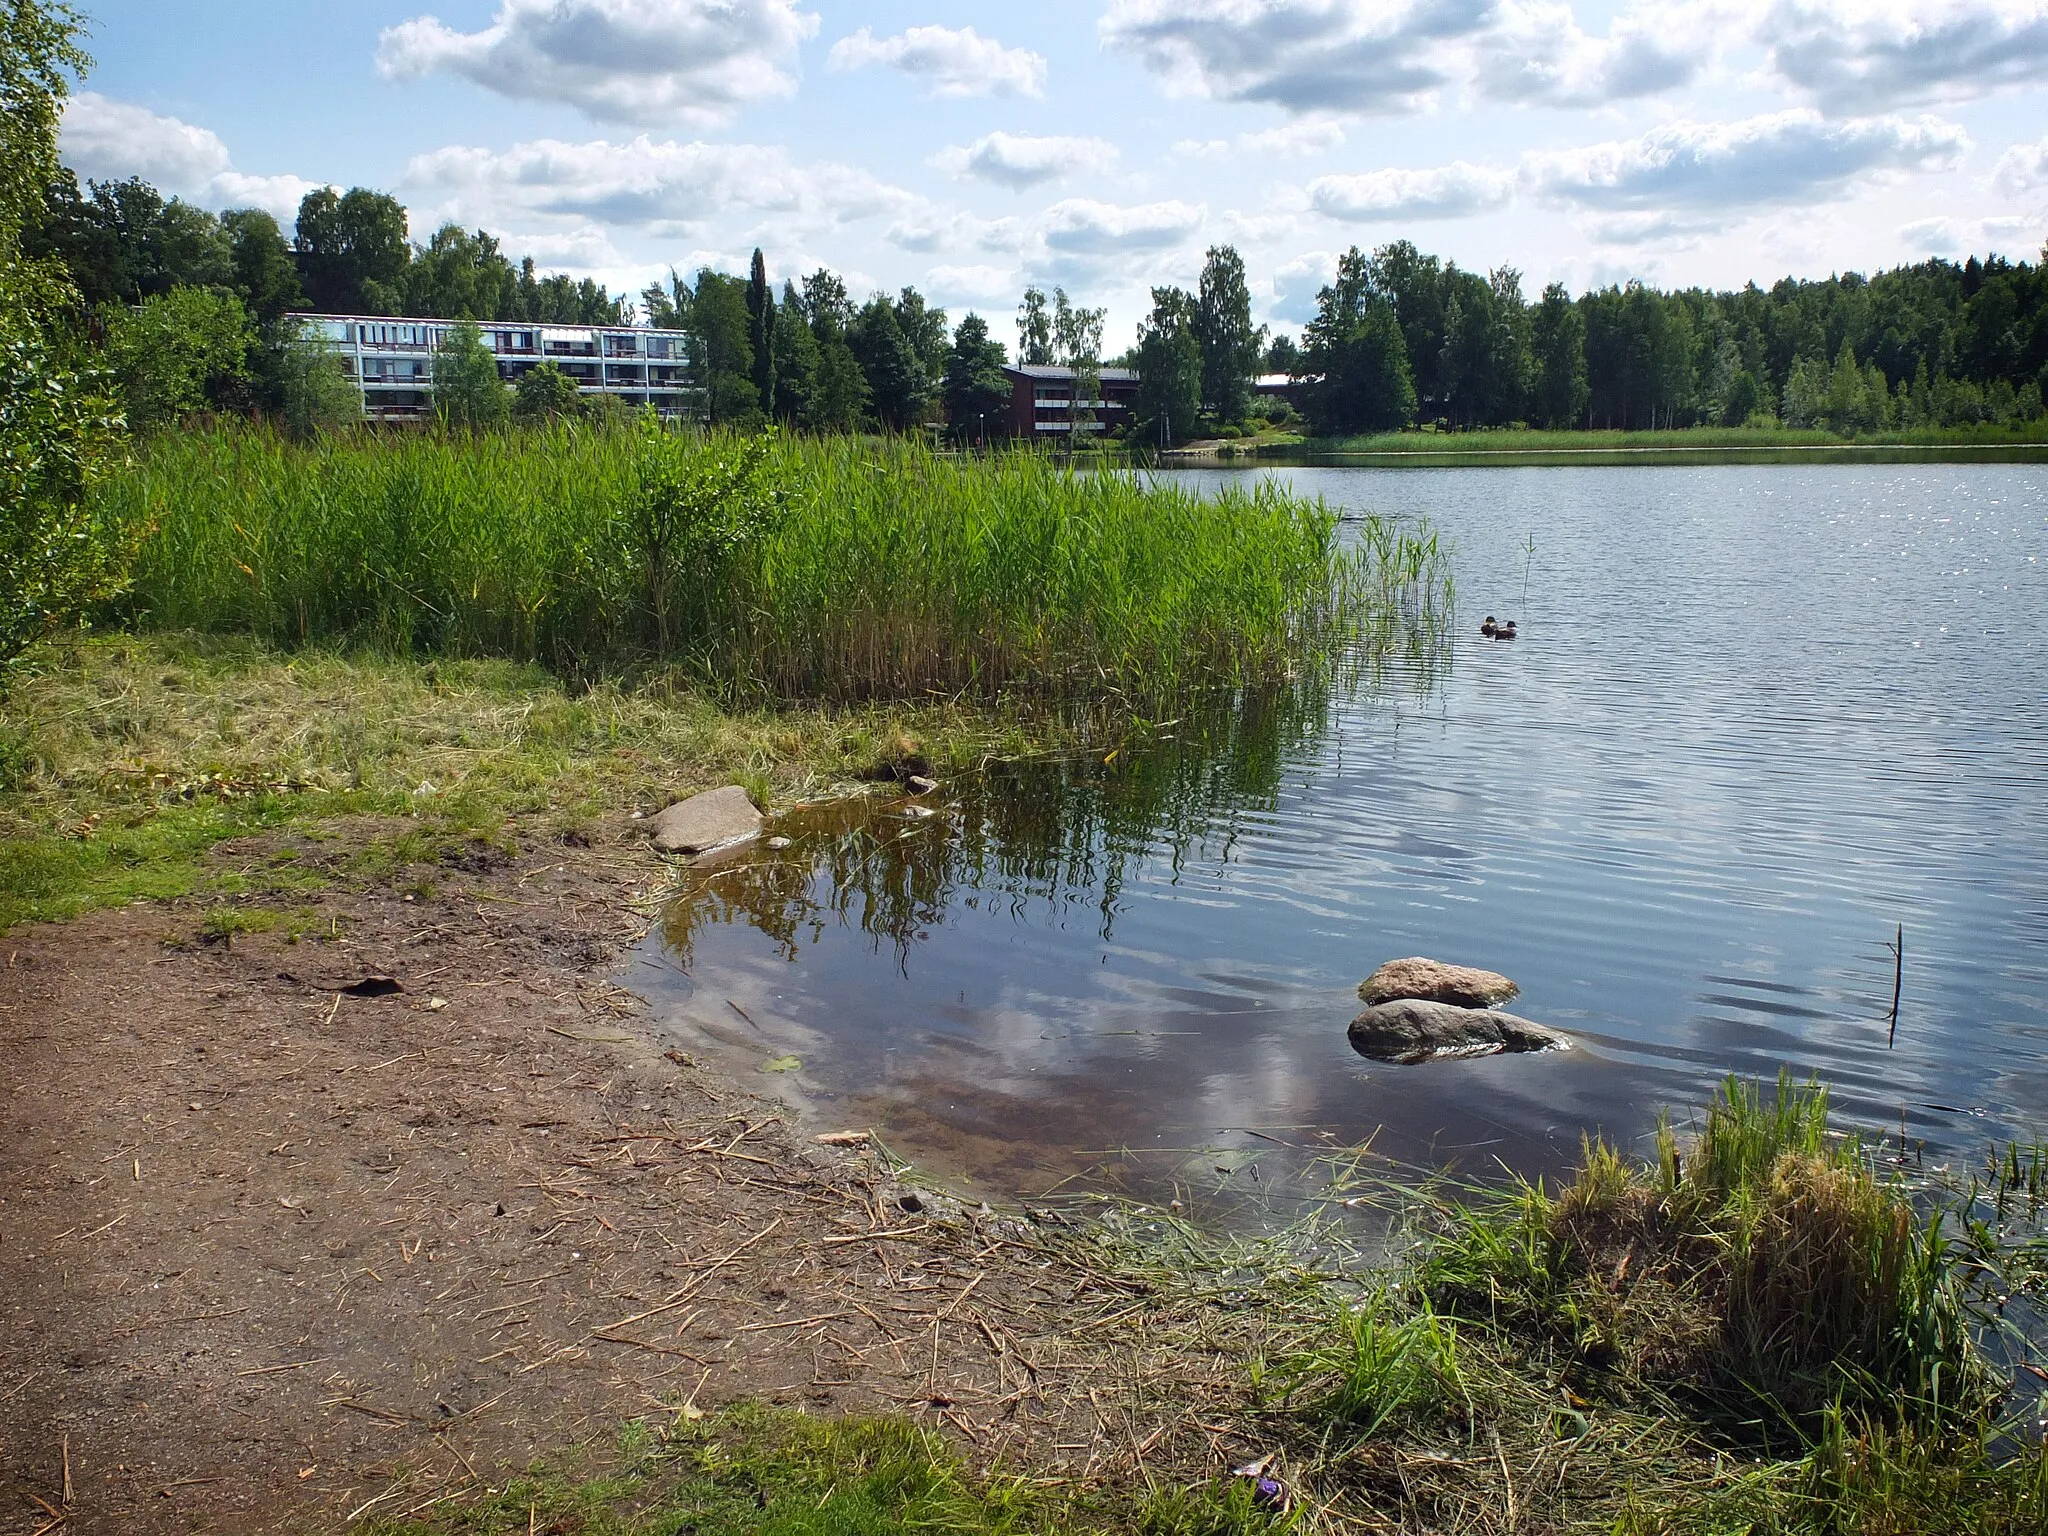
[1042,402]
[392,360]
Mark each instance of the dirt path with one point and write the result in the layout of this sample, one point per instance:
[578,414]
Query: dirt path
[273,1254]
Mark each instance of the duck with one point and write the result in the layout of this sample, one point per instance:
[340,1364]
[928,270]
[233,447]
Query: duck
[1505,631]
[1489,629]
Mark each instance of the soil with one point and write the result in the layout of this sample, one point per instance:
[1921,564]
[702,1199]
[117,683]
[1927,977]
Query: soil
[275,1254]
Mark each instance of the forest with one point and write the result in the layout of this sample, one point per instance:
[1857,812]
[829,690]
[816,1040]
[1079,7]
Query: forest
[189,309]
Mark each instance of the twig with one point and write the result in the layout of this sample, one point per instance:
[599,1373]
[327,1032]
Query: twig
[1898,982]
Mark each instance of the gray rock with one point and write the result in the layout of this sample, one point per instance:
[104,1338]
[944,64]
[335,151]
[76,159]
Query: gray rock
[1414,1029]
[1463,985]
[716,817]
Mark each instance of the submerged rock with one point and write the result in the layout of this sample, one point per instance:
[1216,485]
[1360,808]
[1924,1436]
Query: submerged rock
[1414,1029]
[1464,985]
[704,821]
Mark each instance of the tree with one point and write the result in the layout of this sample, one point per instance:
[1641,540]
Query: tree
[1034,330]
[314,391]
[1283,356]
[761,332]
[796,359]
[460,276]
[467,389]
[265,276]
[976,387]
[1356,356]
[352,251]
[1169,369]
[839,398]
[59,432]
[176,352]
[1557,342]
[899,388]
[124,242]
[717,319]
[1077,344]
[1230,344]
[545,393]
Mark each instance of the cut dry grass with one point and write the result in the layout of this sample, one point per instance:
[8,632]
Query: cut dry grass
[124,759]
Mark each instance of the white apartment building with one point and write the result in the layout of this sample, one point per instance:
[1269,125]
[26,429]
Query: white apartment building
[392,359]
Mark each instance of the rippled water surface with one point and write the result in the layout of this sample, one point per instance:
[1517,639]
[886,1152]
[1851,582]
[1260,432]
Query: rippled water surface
[1757,719]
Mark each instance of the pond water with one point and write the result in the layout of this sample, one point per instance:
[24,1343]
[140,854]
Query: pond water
[1758,719]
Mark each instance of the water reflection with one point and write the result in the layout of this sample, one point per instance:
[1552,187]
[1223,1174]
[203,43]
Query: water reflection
[1137,973]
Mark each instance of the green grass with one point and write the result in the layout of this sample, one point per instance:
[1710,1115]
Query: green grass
[126,760]
[1503,440]
[860,569]
[757,1472]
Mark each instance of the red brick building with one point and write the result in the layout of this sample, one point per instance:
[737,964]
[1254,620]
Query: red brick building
[1042,402]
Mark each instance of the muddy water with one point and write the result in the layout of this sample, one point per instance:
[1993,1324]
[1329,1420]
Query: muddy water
[1757,719]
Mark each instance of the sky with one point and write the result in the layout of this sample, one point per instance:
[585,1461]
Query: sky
[1103,146]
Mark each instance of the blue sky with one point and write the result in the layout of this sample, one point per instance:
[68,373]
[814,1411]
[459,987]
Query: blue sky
[970,148]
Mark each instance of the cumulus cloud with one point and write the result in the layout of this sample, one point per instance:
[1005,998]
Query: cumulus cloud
[634,61]
[1370,56]
[107,140]
[1083,227]
[1312,136]
[1860,55]
[949,284]
[1776,159]
[956,62]
[1955,237]
[663,186]
[1025,160]
[2022,169]
[1453,191]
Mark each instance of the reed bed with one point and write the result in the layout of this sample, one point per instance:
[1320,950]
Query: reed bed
[837,570]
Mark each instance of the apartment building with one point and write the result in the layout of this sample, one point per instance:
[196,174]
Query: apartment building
[1042,402]
[392,360]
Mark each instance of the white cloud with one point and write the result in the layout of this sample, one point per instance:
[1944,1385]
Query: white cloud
[663,186]
[1025,160]
[1860,55]
[952,285]
[107,140]
[1535,51]
[1081,226]
[957,62]
[2022,169]
[634,61]
[1312,136]
[1371,56]
[1956,237]
[1201,149]
[1453,191]
[1777,159]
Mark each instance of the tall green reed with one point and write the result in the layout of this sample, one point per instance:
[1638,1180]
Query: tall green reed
[885,570]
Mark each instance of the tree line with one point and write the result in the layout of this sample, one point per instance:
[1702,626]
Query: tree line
[190,308]
[1400,337]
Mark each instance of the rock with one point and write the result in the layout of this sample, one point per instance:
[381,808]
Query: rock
[1414,1029]
[704,821]
[918,784]
[1437,982]
[777,844]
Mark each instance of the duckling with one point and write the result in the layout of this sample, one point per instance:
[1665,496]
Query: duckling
[1489,629]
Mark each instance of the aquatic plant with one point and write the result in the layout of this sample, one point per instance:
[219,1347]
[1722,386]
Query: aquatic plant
[885,570]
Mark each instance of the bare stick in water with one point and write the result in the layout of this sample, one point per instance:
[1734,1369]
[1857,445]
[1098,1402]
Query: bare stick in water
[1898,981]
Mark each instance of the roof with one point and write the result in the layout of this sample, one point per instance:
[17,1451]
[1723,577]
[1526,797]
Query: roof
[549,326]
[1043,371]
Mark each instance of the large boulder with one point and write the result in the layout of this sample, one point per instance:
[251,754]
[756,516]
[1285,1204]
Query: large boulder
[1414,1029]
[709,820]
[1463,985]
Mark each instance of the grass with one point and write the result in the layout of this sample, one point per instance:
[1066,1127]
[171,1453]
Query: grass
[124,760]
[836,570]
[758,1472]
[1468,1369]
[1524,440]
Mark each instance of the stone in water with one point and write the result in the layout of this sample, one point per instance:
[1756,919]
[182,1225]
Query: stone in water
[1463,985]
[1410,1029]
[709,820]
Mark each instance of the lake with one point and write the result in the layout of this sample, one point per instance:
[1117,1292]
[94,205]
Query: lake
[1758,718]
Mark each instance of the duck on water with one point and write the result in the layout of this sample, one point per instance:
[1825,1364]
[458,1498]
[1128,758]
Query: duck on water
[1501,629]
